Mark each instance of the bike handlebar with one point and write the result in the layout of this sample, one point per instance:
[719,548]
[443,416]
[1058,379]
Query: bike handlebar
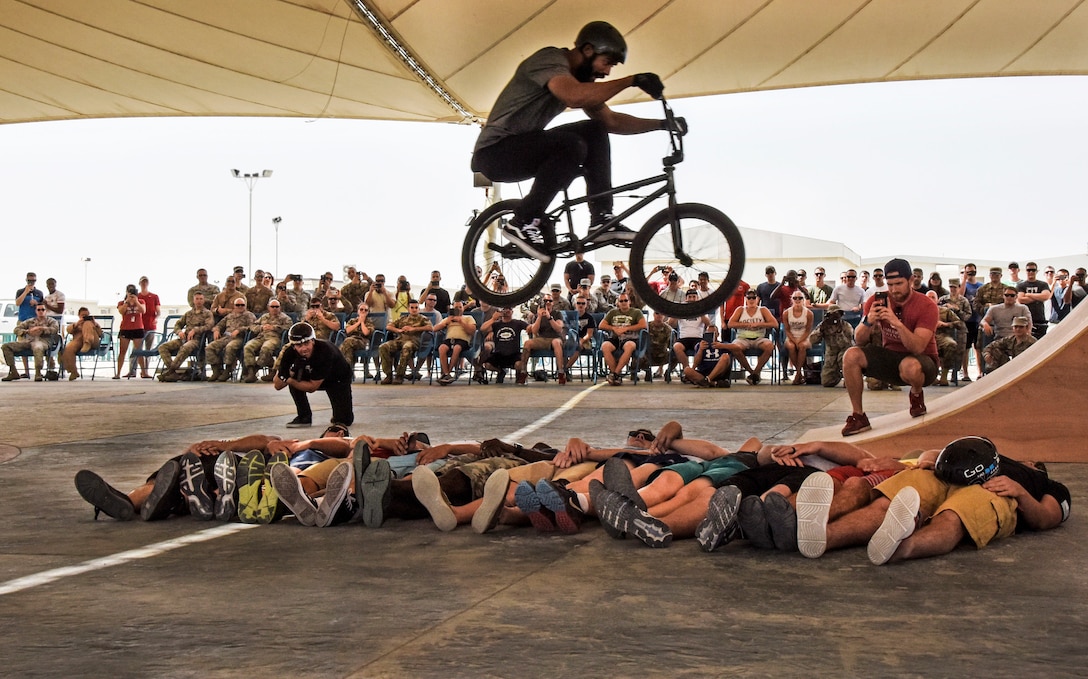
[676,140]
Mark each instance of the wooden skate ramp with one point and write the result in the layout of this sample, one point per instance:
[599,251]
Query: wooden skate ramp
[1033,408]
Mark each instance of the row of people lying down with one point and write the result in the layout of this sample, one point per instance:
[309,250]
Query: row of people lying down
[807,497]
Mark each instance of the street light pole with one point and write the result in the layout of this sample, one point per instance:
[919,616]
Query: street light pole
[86,261]
[276,224]
[250,178]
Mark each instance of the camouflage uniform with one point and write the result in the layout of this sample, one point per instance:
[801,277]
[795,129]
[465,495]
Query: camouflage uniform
[257,298]
[1001,351]
[300,298]
[837,336]
[353,293]
[356,340]
[323,331]
[227,347]
[987,296]
[199,320]
[40,345]
[405,344]
[660,344]
[260,351]
[961,305]
[951,341]
[210,291]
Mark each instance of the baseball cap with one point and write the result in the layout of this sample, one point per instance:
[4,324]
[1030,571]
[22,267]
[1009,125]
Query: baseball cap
[1014,265]
[239,269]
[833,308]
[897,268]
[995,269]
[606,278]
[769,269]
[556,286]
[1020,320]
[584,281]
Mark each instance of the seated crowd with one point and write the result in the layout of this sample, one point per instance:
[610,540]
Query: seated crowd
[656,488]
[789,326]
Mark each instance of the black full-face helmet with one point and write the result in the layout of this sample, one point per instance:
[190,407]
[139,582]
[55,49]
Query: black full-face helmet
[968,460]
[604,38]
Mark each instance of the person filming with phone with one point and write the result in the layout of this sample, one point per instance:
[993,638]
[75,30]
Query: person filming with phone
[908,324]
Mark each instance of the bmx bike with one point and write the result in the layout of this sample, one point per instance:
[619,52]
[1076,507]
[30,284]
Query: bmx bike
[684,238]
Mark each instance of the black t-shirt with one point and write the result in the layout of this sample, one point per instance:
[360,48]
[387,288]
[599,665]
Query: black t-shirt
[585,321]
[508,336]
[1037,309]
[1037,484]
[442,300]
[325,363]
[576,271]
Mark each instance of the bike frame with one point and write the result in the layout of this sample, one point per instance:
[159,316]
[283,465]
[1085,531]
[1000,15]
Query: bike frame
[668,187]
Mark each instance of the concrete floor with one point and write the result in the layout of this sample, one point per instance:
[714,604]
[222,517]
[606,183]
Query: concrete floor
[407,600]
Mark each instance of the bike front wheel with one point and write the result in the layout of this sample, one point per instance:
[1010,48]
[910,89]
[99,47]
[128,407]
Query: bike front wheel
[700,239]
[495,270]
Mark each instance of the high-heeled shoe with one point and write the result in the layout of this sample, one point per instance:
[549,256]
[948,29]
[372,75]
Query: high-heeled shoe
[104,497]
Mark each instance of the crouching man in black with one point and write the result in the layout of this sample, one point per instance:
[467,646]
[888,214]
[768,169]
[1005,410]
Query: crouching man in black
[308,365]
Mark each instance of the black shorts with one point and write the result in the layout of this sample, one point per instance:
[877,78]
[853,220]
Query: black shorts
[690,343]
[132,334]
[451,343]
[972,333]
[503,361]
[883,364]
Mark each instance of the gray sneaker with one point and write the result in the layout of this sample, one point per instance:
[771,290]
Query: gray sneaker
[720,524]
[753,522]
[782,520]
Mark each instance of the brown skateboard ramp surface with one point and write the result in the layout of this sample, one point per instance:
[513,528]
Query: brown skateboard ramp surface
[1033,408]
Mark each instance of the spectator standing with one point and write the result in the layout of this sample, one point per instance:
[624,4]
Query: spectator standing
[151,323]
[132,327]
[1034,293]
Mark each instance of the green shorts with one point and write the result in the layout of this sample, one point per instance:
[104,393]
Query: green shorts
[717,470]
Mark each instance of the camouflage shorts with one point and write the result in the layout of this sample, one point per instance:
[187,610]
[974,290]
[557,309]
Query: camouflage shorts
[478,470]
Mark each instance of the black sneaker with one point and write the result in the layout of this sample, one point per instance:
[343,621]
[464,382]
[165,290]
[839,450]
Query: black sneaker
[299,423]
[165,495]
[563,503]
[529,237]
[608,509]
[782,520]
[625,518]
[195,488]
[617,478]
[103,496]
[753,522]
[619,235]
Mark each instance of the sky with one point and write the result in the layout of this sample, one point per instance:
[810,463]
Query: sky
[966,169]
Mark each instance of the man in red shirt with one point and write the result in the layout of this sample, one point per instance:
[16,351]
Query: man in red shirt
[908,321]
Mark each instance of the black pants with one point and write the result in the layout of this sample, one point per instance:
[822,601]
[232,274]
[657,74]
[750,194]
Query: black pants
[339,397]
[554,157]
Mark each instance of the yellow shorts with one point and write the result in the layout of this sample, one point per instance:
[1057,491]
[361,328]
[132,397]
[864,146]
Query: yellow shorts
[984,515]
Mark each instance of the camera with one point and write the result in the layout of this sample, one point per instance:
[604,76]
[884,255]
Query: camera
[881,298]
[405,286]
[455,312]
[296,277]
[673,277]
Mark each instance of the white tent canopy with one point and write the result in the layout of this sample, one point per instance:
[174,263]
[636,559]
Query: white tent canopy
[71,59]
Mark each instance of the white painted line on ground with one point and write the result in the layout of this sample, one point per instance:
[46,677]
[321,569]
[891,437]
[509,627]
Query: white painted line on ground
[46,577]
[550,417]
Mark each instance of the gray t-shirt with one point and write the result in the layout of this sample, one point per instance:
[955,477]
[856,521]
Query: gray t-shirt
[526,104]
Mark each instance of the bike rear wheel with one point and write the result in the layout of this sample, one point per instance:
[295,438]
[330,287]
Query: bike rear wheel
[708,242]
[519,277]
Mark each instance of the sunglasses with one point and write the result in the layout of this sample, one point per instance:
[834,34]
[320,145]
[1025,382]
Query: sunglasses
[315,306]
[239,305]
[850,276]
[1009,294]
[641,435]
[1032,270]
[798,297]
[579,304]
[273,306]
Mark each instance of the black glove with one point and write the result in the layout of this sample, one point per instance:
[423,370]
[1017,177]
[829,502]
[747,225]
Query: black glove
[650,83]
[679,125]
